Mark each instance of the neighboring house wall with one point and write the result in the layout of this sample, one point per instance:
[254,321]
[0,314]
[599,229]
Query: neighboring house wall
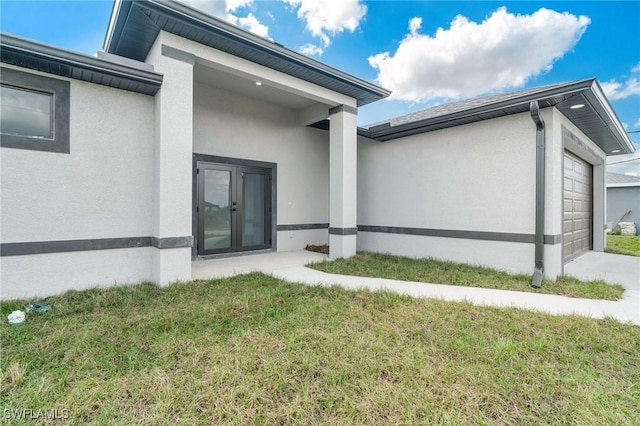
[620,200]
[100,190]
[468,191]
[230,125]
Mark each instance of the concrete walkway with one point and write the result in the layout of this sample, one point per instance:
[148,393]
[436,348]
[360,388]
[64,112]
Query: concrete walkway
[290,266]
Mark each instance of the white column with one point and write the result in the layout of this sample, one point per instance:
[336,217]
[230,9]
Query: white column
[342,181]
[599,206]
[172,233]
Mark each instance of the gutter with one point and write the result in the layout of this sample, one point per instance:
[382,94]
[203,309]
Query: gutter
[65,63]
[539,237]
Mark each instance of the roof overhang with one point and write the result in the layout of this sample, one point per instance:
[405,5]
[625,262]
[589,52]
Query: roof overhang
[52,60]
[135,25]
[596,118]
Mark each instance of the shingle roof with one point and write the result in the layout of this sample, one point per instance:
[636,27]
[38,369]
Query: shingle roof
[618,178]
[593,115]
[466,105]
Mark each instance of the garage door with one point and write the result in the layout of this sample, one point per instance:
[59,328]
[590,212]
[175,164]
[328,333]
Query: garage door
[577,206]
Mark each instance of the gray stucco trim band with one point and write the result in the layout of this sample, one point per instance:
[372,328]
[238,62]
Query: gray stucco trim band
[178,55]
[302,226]
[65,246]
[172,242]
[343,231]
[472,235]
[345,108]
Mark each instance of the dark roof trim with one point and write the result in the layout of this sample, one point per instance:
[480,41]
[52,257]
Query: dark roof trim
[135,25]
[52,60]
[601,116]
[387,131]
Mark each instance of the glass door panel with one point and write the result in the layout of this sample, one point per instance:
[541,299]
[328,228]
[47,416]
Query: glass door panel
[253,209]
[233,208]
[217,214]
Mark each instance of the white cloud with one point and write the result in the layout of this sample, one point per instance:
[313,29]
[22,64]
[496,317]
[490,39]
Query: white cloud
[503,51]
[637,123]
[223,9]
[311,49]
[213,8]
[619,90]
[329,17]
[252,24]
[232,5]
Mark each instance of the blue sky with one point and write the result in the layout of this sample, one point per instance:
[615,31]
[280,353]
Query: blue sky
[426,52]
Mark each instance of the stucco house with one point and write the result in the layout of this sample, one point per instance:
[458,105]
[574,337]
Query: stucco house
[189,138]
[623,199]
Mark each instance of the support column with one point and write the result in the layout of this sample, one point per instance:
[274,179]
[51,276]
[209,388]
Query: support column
[173,163]
[342,181]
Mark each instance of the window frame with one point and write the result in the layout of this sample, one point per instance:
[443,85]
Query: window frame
[60,89]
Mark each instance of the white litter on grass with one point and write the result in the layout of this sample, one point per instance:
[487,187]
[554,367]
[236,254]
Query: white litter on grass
[16,317]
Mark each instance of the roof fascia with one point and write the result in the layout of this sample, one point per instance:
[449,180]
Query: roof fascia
[59,56]
[117,10]
[525,100]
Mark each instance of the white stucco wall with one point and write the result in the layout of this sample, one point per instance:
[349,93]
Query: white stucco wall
[477,177]
[231,125]
[40,275]
[100,190]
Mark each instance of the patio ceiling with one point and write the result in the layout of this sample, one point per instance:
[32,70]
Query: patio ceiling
[248,88]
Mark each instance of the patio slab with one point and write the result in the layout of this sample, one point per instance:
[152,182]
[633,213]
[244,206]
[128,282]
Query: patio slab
[290,266]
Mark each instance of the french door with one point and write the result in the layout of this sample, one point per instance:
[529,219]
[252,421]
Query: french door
[233,208]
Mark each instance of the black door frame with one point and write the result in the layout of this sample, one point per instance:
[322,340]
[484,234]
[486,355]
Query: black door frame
[239,165]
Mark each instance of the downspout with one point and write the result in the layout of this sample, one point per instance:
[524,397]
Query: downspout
[539,238]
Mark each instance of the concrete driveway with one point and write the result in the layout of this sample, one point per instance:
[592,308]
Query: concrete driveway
[612,268]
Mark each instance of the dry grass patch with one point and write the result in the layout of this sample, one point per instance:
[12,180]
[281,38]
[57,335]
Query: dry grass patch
[257,350]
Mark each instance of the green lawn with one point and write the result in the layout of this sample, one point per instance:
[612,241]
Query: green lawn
[438,272]
[623,244]
[257,350]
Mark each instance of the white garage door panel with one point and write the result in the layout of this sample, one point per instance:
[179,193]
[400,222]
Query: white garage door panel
[578,178]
